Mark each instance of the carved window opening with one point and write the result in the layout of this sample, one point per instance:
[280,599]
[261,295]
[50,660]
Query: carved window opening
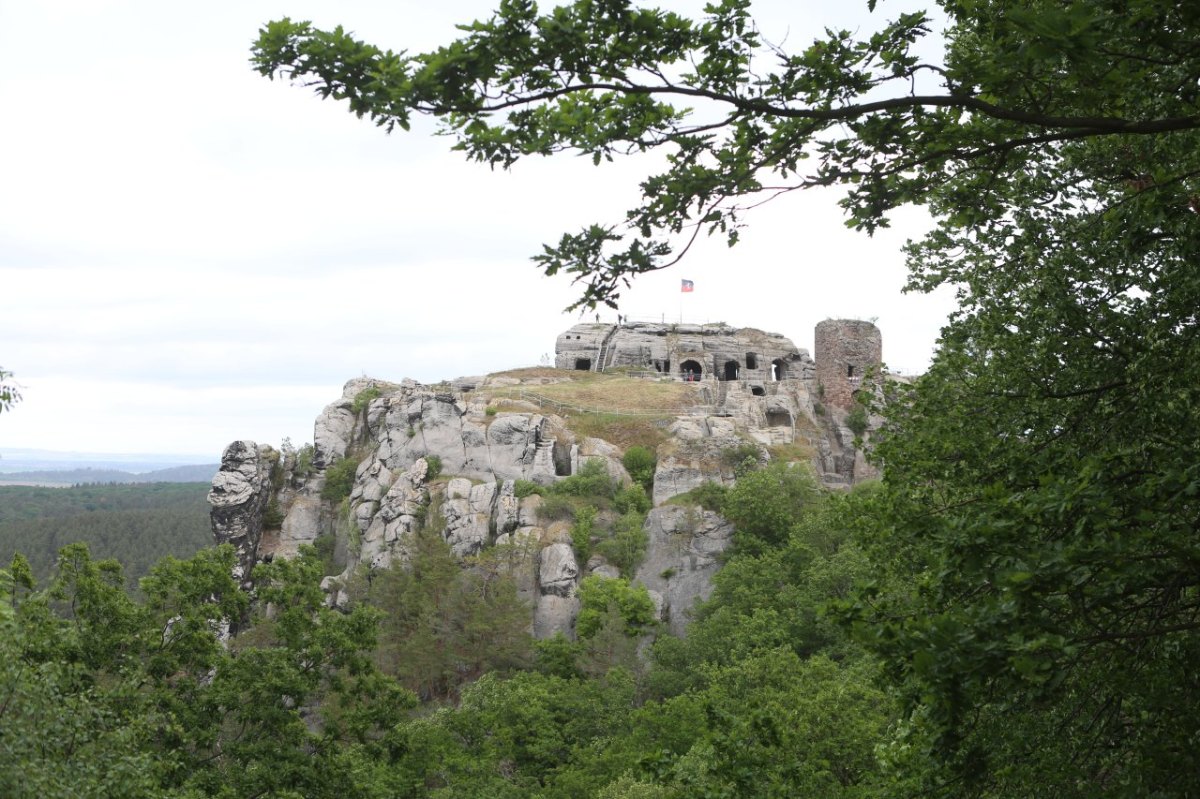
[562,459]
[731,370]
[758,391]
[751,360]
[778,369]
[849,370]
[779,418]
[583,364]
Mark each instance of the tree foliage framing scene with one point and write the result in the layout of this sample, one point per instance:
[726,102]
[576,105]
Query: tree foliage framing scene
[1036,594]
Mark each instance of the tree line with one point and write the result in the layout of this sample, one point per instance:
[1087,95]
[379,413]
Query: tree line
[137,525]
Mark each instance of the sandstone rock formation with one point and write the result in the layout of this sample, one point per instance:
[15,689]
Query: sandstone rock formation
[241,490]
[683,555]
[756,398]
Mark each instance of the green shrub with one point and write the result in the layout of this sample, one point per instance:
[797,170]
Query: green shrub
[597,594]
[435,467]
[272,516]
[627,544]
[582,531]
[363,398]
[490,410]
[555,507]
[592,480]
[526,488]
[856,420]
[818,409]
[339,479]
[741,459]
[634,498]
[304,461]
[710,496]
[640,462]
[765,505]
[325,546]
[556,656]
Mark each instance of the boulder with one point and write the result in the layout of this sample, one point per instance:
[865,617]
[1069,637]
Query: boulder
[558,570]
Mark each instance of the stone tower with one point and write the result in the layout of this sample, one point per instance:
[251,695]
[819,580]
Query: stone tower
[846,351]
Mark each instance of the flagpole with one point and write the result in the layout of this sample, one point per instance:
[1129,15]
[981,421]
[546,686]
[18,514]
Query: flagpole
[685,287]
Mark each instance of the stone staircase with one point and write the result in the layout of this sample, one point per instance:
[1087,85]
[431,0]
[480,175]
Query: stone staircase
[605,350]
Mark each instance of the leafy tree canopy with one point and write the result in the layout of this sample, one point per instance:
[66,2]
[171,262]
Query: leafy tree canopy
[1073,96]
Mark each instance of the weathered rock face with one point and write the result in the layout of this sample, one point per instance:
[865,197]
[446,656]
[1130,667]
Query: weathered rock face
[468,511]
[335,427]
[413,423]
[557,603]
[682,557]
[241,490]
[386,526]
[695,456]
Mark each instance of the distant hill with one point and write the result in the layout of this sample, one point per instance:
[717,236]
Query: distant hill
[198,473]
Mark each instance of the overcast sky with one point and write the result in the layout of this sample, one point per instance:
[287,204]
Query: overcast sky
[191,254]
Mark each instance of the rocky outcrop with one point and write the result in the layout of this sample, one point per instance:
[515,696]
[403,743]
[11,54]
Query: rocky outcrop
[414,421]
[756,398]
[694,456]
[241,491]
[558,580]
[468,511]
[387,526]
[685,545]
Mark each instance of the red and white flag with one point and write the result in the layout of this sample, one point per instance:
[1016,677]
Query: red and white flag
[687,286]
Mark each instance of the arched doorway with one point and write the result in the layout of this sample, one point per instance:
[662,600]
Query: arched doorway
[583,364]
[778,369]
[691,370]
[731,370]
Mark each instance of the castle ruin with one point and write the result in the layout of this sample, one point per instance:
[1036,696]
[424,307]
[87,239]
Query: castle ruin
[687,351]
[847,350]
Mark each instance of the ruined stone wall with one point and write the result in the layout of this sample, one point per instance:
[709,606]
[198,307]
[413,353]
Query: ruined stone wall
[705,351]
[846,350]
